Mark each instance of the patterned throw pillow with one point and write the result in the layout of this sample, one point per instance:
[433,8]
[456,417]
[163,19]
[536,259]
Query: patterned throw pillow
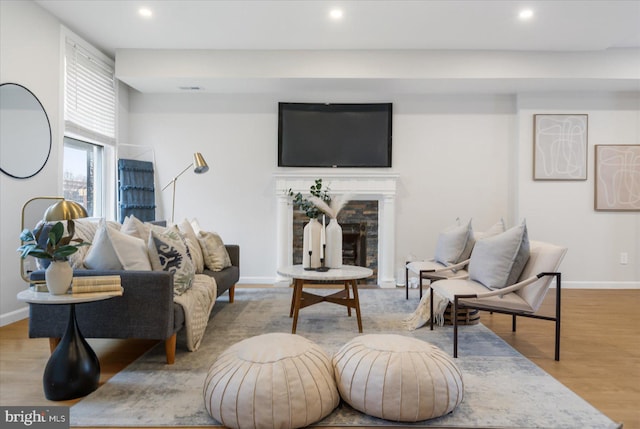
[169,252]
[216,257]
[194,245]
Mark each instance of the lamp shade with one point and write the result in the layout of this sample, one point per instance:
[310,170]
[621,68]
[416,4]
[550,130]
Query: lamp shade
[65,210]
[199,164]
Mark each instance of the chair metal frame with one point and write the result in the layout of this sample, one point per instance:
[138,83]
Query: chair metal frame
[514,313]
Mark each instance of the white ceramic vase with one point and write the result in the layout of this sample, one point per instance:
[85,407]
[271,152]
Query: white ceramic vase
[58,276]
[311,241]
[334,244]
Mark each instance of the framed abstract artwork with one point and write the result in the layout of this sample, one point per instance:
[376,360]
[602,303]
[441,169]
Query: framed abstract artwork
[617,183]
[560,147]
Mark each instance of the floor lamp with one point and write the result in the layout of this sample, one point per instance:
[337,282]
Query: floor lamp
[199,166]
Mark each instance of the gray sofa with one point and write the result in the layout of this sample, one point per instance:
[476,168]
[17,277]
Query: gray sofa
[146,309]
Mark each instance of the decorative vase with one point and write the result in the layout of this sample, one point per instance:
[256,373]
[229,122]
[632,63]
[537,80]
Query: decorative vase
[311,241]
[58,276]
[334,244]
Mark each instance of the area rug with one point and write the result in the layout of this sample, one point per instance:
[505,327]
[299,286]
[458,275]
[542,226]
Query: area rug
[503,389]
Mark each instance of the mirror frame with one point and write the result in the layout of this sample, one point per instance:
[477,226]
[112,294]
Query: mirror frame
[50,143]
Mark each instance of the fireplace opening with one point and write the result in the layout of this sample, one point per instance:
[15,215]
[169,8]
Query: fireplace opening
[354,244]
[359,222]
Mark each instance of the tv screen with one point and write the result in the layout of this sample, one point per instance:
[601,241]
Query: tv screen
[334,135]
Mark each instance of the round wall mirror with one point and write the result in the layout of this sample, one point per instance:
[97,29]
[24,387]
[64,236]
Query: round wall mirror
[25,132]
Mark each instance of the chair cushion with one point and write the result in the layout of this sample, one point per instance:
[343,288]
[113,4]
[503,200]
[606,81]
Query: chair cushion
[454,244]
[543,257]
[498,261]
[449,288]
[397,378]
[417,266]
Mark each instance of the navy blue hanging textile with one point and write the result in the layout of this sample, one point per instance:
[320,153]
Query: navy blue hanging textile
[136,191]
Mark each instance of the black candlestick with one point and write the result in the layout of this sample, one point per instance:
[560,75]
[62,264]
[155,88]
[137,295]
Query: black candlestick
[309,267]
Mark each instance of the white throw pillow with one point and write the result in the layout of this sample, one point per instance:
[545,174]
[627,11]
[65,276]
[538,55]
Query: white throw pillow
[454,244]
[216,257]
[496,228]
[196,226]
[136,228]
[168,251]
[498,261]
[131,226]
[114,250]
[101,254]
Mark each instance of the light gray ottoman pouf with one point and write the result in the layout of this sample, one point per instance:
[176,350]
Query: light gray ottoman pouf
[397,378]
[271,381]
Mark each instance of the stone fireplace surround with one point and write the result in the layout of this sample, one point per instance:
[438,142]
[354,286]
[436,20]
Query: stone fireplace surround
[360,186]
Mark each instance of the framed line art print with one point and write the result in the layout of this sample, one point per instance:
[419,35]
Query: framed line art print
[560,147]
[617,182]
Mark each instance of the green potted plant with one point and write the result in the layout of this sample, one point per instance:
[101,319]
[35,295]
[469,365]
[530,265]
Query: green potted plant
[312,234]
[305,204]
[57,249]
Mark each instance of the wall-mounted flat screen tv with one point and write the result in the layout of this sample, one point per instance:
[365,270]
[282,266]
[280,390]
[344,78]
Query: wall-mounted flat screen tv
[334,135]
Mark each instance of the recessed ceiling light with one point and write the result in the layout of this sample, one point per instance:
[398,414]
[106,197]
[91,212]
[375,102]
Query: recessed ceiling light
[145,12]
[525,14]
[336,14]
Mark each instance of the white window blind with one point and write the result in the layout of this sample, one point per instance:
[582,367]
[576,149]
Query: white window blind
[89,102]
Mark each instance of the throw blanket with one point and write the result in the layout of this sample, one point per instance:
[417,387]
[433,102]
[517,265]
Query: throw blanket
[421,316]
[197,303]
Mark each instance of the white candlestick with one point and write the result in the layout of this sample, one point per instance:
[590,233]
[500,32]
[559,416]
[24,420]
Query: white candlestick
[310,238]
[322,238]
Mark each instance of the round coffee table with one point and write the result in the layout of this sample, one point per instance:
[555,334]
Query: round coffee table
[73,369]
[349,274]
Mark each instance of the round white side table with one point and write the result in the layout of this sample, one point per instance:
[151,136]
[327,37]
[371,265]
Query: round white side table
[73,369]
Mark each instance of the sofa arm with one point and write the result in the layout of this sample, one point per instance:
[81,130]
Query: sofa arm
[234,254]
[145,310]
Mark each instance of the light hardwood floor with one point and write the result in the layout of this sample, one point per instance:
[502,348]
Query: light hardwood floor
[600,354]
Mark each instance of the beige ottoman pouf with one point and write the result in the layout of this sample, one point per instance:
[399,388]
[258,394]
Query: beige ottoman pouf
[397,378]
[271,381]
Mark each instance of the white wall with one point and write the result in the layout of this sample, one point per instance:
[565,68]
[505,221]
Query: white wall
[30,56]
[563,211]
[457,156]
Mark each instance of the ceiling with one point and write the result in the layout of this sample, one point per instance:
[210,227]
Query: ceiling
[246,27]
[305,24]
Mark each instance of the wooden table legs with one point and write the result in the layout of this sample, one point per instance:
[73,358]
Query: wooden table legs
[301,299]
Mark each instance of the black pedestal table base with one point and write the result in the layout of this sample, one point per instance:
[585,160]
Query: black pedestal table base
[73,370]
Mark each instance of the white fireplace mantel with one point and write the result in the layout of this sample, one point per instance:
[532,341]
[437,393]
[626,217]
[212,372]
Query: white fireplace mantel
[359,186]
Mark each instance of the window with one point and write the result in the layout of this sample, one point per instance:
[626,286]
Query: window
[89,128]
[83,175]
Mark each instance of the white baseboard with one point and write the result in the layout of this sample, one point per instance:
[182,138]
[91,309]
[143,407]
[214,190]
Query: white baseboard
[261,280]
[599,285]
[14,316]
